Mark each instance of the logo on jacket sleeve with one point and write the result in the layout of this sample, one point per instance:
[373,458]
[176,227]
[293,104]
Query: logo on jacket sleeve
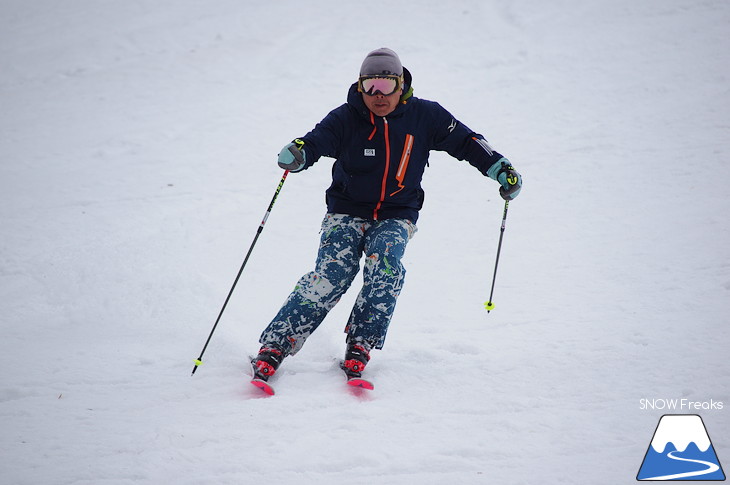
[369,152]
[452,126]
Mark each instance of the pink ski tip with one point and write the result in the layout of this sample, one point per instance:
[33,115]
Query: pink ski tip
[263,386]
[362,383]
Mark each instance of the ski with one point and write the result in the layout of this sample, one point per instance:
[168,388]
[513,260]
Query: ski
[355,379]
[263,385]
[360,382]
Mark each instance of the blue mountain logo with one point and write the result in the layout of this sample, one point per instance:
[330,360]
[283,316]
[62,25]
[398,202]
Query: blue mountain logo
[681,450]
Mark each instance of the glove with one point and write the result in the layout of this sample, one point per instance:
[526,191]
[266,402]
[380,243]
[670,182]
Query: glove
[510,180]
[292,157]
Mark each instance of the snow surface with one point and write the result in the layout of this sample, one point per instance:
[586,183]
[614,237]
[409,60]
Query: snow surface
[137,157]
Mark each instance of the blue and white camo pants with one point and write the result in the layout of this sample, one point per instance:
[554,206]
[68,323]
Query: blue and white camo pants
[343,241]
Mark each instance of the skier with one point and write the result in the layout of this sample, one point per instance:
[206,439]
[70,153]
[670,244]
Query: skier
[380,140]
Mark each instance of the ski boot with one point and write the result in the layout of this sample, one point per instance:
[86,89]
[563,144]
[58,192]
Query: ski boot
[264,366]
[357,357]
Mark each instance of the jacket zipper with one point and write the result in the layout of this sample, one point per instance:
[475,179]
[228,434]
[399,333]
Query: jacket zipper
[385,172]
[400,175]
[375,128]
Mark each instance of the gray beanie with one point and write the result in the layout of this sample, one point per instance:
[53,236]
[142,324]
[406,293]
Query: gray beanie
[381,61]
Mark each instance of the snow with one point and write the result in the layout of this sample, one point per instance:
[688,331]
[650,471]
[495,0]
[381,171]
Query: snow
[681,431]
[137,147]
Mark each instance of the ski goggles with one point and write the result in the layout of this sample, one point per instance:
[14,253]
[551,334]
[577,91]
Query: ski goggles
[384,85]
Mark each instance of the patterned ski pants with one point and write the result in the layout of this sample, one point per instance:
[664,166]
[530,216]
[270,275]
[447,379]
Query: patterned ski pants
[343,242]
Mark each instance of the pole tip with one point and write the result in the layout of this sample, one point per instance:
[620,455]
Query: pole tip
[489,306]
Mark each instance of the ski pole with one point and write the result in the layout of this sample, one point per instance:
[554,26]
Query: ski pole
[199,360]
[488,305]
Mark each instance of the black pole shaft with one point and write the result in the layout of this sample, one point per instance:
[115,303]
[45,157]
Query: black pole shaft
[499,249]
[199,360]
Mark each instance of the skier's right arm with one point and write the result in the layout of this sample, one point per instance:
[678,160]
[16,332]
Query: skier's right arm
[323,141]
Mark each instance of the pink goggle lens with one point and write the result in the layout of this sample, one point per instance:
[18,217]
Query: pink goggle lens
[379,85]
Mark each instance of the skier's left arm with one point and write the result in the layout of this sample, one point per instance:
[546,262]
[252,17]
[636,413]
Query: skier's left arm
[460,142]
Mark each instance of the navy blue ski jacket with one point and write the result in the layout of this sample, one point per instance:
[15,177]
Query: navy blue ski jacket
[379,161]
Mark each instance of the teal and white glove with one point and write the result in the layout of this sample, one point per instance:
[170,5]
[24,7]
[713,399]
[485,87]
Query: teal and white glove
[292,157]
[510,180]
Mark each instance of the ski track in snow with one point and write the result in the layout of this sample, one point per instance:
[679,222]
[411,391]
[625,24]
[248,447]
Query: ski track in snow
[138,144]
